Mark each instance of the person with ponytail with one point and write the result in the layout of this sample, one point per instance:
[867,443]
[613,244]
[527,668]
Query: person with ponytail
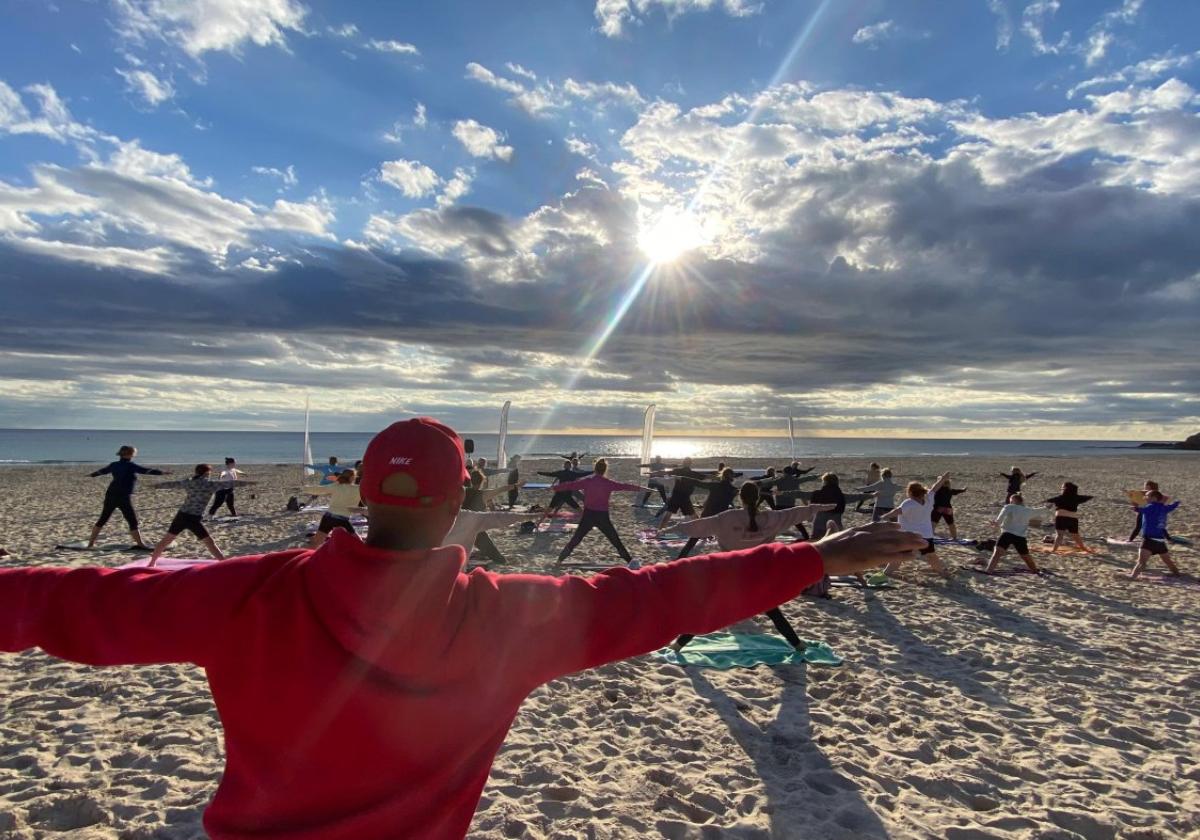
[596,489]
[746,527]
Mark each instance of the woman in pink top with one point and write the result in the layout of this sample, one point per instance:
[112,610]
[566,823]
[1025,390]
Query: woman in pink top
[596,489]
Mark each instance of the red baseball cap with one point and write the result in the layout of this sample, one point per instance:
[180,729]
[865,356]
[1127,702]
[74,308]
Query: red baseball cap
[423,448]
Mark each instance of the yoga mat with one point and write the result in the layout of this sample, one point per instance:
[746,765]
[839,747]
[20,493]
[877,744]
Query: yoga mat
[535,485]
[1116,542]
[1179,541]
[1160,578]
[1048,548]
[553,527]
[1011,571]
[648,536]
[948,541]
[169,564]
[99,549]
[741,650]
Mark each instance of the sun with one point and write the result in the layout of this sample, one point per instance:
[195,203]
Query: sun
[673,235]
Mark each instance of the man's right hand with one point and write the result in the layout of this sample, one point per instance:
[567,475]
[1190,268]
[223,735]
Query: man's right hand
[857,549]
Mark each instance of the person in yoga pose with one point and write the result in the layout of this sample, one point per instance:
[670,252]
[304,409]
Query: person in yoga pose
[1066,515]
[563,497]
[344,502]
[596,489]
[199,489]
[787,491]
[749,526]
[721,494]
[329,472]
[1138,498]
[1016,480]
[943,507]
[766,488]
[656,482]
[873,475]
[513,480]
[364,634]
[916,516]
[885,491]
[119,494]
[829,493]
[680,500]
[1013,523]
[224,495]
[470,525]
[478,497]
[1154,533]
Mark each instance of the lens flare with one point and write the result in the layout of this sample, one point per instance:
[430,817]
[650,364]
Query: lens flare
[673,235]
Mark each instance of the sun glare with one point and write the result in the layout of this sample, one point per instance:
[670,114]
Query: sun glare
[673,235]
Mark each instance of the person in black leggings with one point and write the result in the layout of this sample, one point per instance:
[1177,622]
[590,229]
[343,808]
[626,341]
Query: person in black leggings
[560,498]
[596,489]
[224,496]
[721,494]
[119,495]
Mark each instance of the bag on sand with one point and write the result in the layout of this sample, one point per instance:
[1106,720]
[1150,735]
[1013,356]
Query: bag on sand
[293,503]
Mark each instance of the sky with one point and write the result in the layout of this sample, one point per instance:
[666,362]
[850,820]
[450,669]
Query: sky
[917,218]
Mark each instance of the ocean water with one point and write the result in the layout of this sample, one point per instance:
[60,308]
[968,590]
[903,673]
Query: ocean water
[68,446]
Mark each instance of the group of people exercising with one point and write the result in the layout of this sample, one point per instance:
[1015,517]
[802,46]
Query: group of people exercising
[589,491]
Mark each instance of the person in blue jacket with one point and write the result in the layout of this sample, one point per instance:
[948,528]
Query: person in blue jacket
[1154,533]
[119,495]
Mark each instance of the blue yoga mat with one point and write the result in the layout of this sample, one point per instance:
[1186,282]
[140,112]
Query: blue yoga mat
[742,650]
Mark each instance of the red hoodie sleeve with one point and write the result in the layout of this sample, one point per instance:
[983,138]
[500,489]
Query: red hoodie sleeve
[566,624]
[101,616]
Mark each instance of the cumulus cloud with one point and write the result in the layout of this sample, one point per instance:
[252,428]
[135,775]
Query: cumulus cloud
[874,34]
[481,141]
[548,96]
[144,84]
[1033,23]
[1146,70]
[615,16]
[211,25]
[413,178]
[1004,24]
[127,200]
[1062,243]
[286,176]
[389,46]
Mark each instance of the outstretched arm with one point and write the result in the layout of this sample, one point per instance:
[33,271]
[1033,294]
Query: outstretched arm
[126,616]
[105,470]
[567,624]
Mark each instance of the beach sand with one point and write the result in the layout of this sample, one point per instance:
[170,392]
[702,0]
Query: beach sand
[1018,707]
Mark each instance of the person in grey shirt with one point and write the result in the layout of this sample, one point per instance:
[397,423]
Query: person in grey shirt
[199,489]
[885,494]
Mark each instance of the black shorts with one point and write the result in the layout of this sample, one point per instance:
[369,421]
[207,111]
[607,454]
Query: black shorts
[1007,540]
[188,522]
[929,547]
[940,514]
[683,506]
[330,521]
[1070,524]
[1154,546]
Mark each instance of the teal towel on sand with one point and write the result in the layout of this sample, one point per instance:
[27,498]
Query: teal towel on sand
[741,650]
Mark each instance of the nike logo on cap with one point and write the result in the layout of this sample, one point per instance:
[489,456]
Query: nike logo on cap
[400,461]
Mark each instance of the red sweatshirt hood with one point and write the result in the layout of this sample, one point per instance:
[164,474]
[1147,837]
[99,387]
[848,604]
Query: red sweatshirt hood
[388,608]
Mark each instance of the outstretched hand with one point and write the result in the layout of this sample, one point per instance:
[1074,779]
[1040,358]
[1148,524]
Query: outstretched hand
[858,549]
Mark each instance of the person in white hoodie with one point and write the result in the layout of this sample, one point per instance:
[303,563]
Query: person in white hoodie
[915,515]
[746,527]
[1013,521]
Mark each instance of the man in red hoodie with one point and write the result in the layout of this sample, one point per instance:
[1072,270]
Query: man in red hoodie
[365,688]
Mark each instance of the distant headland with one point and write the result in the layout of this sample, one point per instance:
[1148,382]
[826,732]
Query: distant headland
[1192,442]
